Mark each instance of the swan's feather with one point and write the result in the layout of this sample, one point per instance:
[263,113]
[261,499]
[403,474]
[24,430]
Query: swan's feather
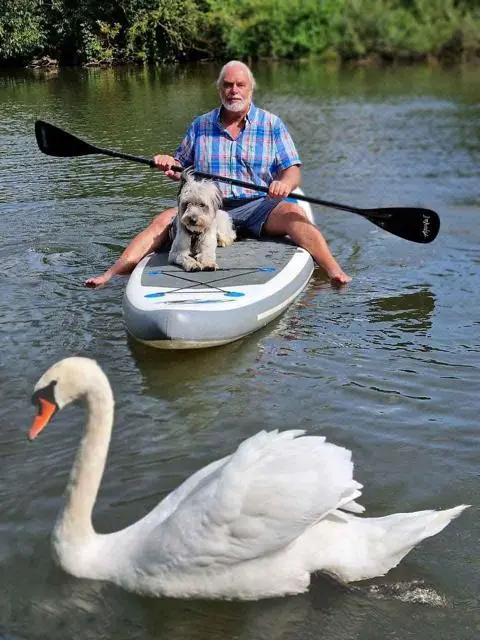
[256,502]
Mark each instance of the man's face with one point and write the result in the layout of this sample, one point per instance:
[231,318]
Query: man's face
[236,90]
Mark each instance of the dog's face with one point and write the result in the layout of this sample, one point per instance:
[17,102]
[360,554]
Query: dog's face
[198,202]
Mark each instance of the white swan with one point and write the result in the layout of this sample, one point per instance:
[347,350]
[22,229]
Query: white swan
[254,524]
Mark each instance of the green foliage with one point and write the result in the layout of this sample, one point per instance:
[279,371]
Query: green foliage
[83,31]
[163,34]
[389,27]
[274,28]
[101,44]
[21,29]
[353,28]
[157,31]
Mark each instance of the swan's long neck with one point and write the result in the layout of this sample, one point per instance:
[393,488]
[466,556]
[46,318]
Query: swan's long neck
[75,523]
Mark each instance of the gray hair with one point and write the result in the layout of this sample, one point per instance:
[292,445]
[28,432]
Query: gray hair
[234,63]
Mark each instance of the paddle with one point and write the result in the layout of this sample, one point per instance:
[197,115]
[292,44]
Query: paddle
[410,223]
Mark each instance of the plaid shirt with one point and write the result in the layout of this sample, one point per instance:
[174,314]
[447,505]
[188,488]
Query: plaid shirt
[263,148]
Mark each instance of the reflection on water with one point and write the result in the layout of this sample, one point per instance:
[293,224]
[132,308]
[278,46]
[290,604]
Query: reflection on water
[409,312]
[192,367]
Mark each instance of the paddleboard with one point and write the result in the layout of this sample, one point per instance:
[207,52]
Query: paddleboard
[257,280]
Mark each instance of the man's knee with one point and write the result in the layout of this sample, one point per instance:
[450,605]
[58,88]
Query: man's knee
[284,216]
[162,220]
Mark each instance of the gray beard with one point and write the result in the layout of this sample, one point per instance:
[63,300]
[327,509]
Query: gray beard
[236,106]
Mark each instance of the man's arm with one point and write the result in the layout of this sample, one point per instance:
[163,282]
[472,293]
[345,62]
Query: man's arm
[288,180]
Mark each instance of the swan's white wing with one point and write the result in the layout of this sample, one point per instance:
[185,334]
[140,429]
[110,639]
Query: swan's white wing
[172,501]
[258,501]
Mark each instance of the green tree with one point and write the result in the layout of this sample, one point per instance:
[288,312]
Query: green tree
[166,33]
[22,32]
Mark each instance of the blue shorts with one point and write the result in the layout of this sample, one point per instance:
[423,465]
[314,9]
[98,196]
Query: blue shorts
[250,214]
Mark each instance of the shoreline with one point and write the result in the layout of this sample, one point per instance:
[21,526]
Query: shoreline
[383,59]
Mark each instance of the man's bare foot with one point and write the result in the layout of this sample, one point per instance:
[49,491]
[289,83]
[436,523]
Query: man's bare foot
[97,281]
[339,278]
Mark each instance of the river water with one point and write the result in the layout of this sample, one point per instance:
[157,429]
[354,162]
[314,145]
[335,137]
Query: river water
[388,367]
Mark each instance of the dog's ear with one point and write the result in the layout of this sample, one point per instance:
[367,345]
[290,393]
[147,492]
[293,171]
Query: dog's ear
[186,175]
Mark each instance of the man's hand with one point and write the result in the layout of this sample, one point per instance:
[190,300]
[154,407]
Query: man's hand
[165,164]
[288,180]
[279,189]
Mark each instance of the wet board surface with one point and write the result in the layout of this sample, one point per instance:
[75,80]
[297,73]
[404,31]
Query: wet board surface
[246,262]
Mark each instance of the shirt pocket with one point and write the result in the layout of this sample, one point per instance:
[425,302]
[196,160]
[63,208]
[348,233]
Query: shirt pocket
[255,158]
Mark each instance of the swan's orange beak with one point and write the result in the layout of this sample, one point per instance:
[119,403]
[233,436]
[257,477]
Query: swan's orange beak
[46,410]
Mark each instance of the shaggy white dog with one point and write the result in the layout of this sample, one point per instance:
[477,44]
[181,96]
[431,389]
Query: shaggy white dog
[199,226]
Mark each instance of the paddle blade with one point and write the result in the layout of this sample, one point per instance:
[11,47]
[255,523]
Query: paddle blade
[56,142]
[416,225]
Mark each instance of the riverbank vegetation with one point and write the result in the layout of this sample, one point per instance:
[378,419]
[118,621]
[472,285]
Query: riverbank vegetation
[87,32]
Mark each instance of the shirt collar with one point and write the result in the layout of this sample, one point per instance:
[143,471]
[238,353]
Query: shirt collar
[251,114]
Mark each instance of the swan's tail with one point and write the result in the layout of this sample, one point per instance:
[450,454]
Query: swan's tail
[369,547]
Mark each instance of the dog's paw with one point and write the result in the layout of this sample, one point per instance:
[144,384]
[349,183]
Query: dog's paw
[192,265]
[206,262]
[223,241]
[188,263]
[209,266]
[225,231]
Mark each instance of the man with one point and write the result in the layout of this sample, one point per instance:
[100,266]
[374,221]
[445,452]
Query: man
[241,141]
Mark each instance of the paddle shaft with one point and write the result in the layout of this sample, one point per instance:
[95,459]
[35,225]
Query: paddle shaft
[297,196]
[238,183]
[128,156]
